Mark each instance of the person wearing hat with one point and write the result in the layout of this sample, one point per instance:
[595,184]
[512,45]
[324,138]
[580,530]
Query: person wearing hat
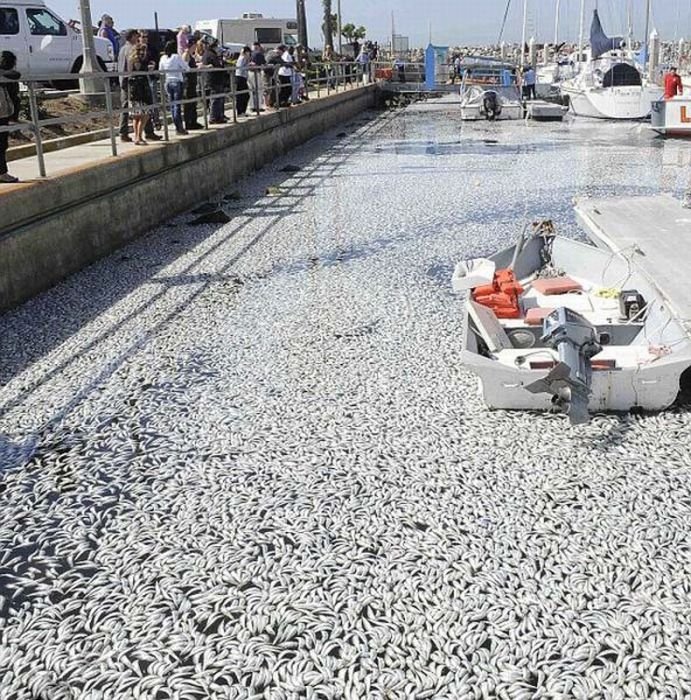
[673,84]
[106,31]
[273,60]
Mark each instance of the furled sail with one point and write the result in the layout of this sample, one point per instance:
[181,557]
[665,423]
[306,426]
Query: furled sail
[599,42]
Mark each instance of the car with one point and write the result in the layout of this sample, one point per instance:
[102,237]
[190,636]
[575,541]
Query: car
[158,38]
[43,42]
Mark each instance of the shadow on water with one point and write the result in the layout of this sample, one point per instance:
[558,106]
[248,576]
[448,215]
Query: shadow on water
[31,331]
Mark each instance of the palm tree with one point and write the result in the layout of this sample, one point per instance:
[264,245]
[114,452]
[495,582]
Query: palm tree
[327,26]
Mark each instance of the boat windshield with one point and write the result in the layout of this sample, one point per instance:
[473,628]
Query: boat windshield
[505,94]
[621,74]
[497,75]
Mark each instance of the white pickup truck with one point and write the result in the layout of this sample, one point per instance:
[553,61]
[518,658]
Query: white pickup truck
[44,43]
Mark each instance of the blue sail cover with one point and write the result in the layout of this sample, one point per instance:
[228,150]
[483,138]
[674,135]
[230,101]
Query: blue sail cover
[599,42]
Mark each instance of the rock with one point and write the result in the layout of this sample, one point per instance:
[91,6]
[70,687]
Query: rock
[205,208]
[215,217]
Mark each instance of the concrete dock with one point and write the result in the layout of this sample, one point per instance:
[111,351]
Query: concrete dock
[655,231]
[92,202]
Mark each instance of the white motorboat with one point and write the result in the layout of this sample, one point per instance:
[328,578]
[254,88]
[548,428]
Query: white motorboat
[610,85]
[551,323]
[489,91]
[672,117]
[491,103]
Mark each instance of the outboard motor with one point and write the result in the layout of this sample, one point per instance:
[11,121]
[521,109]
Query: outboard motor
[490,105]
[569,382]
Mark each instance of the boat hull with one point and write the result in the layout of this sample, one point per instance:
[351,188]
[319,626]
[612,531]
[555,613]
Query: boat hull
[626,103]
[650,389]
[672,117]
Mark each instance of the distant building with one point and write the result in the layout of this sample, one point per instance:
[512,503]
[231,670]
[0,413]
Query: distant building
[401,44]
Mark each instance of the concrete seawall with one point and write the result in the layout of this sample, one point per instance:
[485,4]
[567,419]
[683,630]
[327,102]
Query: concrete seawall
[53,228]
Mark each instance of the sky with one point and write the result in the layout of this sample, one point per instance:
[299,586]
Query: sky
[452,22]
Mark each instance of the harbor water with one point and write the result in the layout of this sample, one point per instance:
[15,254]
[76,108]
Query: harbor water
[243,460]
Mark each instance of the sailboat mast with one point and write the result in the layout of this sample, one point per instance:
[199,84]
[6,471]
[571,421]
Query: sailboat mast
[581,30]
[525,27]
[646,38]
[556,23]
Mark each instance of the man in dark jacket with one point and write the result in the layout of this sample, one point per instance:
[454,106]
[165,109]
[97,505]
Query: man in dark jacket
[215,81]
[273,61]
[9,107]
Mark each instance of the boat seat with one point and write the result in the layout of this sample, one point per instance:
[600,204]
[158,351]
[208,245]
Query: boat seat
[556,285]
[536,315]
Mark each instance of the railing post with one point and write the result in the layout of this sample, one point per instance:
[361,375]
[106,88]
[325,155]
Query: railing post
[234,95]
[164,105]
[109,110]
[33,104]
[201,87]
[258,77]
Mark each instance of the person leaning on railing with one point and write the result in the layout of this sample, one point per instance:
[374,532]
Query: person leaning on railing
[131,40]
[173,70]
[216,82]
[190,109]
[9,107]
[139,96]
[242,96]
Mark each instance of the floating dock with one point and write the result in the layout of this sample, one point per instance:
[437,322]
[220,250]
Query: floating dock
[656,231]
[543,111]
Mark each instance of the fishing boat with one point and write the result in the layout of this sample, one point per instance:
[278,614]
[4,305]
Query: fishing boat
[489,91]
[672,117]
[554,324]
[610,85]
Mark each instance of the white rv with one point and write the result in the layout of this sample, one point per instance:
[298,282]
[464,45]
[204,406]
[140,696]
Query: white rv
[251,27]
[43,42]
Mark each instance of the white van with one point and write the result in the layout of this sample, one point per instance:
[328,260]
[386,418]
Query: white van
[44,43]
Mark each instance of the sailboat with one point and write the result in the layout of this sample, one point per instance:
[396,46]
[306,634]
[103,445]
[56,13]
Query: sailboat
[610,85]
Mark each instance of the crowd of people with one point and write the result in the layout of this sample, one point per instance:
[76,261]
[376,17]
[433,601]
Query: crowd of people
[265,80]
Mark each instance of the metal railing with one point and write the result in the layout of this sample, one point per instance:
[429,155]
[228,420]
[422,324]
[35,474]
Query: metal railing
[216,88]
